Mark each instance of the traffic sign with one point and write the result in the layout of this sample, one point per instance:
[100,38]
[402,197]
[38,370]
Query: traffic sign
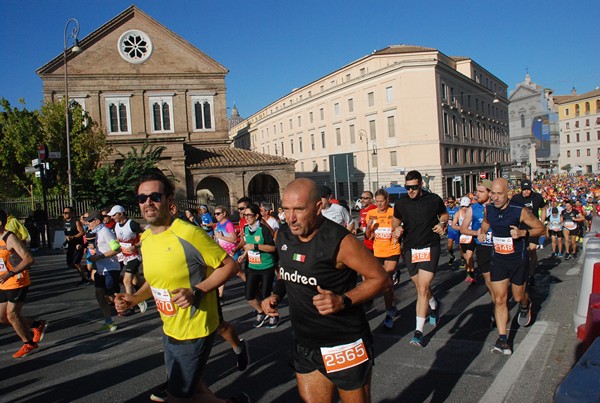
[30,170]
[54,154]
[42,152]
[457,179]
[482,175]
[35,162]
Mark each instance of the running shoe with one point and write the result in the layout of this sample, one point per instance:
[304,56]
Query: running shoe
[501,347]
[452,259]
[39,331]
[396,277]
[25,350]
[568,256]
[388,322]
[272,322]
[143,306]
[553,254]
[560,254]
[463,264]
[261,318]
[243,358]
[160,393]
[574,255]
[108,327]
[417,339]
[524,317]
[434,315]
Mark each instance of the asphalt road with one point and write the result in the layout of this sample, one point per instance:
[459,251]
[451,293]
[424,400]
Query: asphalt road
[74,364]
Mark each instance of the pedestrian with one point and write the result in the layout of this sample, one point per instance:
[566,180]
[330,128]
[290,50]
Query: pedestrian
[74,241]
[40,220]
[419,220]
[183,267]
[334,211]
[14,284]
[318,263]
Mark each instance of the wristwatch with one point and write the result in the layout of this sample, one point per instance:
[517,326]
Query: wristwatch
[346,301]
[198,294]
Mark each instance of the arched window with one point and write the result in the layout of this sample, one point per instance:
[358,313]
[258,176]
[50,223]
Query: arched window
[162,105]
[576,109]
[522,120]
[203,115]
[587,108]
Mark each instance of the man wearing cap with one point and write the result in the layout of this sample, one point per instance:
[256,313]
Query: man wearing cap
[206,221]
[106,266]
[467,245]
[335,212]
[534,202]
[128,234]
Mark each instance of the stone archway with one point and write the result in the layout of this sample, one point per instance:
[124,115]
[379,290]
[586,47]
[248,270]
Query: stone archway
[213,191]
[264,187]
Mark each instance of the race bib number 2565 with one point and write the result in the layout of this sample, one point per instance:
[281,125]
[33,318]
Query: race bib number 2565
[345,356]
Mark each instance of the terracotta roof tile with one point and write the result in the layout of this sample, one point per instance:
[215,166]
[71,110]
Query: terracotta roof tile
[222,157]
[563,99]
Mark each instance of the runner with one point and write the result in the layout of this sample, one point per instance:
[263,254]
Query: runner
[334,211]
[534,202]
[319,261]
[420,219]
[266,209]
[226,238]
[183,268]
[471,226]
[385,248]
[106,268]
[467,244]
[259,250]
[555,231]
[510,259]
[453,235]
[206,220]
[366,201]
[14,284]
[74,239]
[570,220]
[128,234]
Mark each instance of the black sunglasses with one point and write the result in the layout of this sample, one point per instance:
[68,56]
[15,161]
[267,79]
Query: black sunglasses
[218,212]
[412,187]
[154,196]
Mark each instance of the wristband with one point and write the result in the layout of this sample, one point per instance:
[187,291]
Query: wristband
[11,273]
[526,233]
[256,246]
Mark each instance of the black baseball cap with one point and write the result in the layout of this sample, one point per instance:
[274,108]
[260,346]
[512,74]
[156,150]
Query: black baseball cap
[525,184]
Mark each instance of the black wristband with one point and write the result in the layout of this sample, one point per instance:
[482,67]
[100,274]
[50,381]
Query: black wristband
[255,246]
[526,233]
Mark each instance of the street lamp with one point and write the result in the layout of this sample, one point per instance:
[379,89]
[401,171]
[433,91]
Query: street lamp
[362,133]
[75,49]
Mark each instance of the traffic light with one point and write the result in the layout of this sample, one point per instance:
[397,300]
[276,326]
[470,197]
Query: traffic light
[50,179]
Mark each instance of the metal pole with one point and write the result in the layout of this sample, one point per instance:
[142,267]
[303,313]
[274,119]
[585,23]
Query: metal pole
[72,34]
[334,177]
[362,133]
[348,177]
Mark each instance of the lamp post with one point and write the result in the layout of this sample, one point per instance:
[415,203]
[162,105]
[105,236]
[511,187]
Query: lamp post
[362,133]
[75,49]
[376,161]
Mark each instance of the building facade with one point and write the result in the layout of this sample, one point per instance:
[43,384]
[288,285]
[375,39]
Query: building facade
[579,119]
[400,108]
[533,127]
[144,84]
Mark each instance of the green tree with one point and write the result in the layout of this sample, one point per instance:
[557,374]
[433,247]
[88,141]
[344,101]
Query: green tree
[20,136]
[113,183]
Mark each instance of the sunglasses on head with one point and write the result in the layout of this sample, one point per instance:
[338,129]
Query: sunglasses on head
[154,196]
[412,187]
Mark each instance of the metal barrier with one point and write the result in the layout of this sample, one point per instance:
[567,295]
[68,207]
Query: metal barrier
[590,256]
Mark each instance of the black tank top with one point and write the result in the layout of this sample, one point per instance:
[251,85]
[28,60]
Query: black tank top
[303,266]
[500,222]
[71,229]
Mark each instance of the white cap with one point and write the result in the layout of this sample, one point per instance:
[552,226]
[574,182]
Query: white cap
[464,202]
[116,209]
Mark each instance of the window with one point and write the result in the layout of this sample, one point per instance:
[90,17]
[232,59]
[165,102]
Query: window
[362,72]
[310,117]
[444,92]
[464,127]
[389,94]
[567,111]
[445,123]
[447,155]
[372,129]
[393,158]
[589,152]
[454,126]
[338,136]
[300,143]
[118,115]
[324,161]
[588,137]
[578,153]
[370,99]
[577,137]
[391,125]
[587,108]
[336,109]
[348,77]
[302,167]
[281,127]
[456,156]
[353,134]
[568,153]
[291,126]
[282,149]
[299,121]
[568,125]
[292,146]
[587,122]
[374,163]
[203,115]
[522,120]
[351,105]
[323,140]
[162,119]
[322,114]
[312,141]
[568,138]
[576,109]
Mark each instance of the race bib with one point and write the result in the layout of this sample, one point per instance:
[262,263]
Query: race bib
[3,268]
[120,256]
[162,298]
[254,257]
[465,239]
[383,233]
[570,225]
[346,356]
[420,255]
[504,246]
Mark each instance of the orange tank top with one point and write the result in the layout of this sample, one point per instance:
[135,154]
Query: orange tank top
[17,281]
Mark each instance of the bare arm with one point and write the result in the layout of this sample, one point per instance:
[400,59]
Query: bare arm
[535,225]
[464,227]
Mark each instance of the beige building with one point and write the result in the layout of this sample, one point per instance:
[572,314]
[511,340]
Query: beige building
[143,83]
[400,108]
[579,120]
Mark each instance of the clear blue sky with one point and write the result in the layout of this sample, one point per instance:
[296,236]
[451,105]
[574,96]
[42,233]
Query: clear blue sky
[271,47]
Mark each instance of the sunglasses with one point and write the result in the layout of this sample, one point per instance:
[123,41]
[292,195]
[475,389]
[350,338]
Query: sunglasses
[66,212]
[218,212]
[154,196]
[249,215]
[366,198]
[242,208]
[412,187]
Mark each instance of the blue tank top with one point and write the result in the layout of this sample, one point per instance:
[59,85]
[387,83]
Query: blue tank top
[476,221]
[451,212]
[500,222]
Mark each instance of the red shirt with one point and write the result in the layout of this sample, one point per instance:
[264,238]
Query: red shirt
[363,224]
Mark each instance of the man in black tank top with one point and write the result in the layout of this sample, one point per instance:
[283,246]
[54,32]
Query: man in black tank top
[74,239]
[318,265]
[510,259]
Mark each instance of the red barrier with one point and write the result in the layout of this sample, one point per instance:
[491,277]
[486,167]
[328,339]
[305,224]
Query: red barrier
[596,278]
[592,323]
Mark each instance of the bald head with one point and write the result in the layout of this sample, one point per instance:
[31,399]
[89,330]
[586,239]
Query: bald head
[499,193]
[304,186]
[500,184]
[302,205]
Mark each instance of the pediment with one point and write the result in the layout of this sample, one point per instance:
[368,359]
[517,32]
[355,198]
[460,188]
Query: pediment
[100,56]
[523,92]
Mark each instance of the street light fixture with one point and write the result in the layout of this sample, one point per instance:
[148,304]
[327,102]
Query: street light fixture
[362,133]
[74,50]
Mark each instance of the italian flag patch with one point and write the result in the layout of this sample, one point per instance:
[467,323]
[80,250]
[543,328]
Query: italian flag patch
[299,258]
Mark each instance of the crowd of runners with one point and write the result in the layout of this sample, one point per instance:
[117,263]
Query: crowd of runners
[307,252]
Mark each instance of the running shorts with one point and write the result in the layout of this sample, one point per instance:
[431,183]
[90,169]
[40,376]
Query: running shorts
[515,270]
[430,265]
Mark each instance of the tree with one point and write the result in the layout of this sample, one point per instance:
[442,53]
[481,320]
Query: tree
[114,183]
